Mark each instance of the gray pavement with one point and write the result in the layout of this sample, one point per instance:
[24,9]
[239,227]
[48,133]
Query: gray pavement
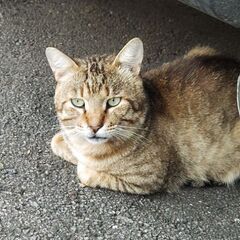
[39,193]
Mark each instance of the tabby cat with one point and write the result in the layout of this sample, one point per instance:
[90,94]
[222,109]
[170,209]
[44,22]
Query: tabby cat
[156,131]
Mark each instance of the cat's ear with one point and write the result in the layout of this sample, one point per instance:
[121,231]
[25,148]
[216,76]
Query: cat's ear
[60,63]
[131,56]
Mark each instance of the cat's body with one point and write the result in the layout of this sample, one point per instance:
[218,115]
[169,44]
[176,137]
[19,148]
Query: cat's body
[177,124]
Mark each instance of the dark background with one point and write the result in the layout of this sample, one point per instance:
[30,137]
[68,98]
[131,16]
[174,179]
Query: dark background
[39,193]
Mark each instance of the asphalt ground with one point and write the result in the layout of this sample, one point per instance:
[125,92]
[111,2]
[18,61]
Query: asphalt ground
[39,193]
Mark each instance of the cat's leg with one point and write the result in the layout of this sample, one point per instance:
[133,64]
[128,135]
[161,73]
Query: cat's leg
[198,184]
[92,178]
[60,148]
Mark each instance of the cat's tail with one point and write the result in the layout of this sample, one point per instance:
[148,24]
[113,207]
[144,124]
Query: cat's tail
[199,51]
[238,94]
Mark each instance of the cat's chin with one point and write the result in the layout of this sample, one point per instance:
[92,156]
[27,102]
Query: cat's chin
[97,140]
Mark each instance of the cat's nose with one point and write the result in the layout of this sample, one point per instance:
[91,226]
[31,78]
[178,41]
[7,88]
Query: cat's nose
[95,128]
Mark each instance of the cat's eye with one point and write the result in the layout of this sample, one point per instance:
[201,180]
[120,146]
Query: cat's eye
[77,102]
[112,102]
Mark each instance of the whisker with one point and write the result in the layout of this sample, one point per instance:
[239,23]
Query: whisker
[134,133]
[124,138]
[128,135]
[130,127]
[119,137]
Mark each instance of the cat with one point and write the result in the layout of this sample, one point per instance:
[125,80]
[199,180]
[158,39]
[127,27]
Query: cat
[149,132]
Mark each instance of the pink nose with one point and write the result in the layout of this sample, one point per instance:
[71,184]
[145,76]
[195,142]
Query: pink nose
[95,128]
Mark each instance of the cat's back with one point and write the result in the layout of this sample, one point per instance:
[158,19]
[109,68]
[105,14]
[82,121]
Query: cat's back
[194,101]
[199,83]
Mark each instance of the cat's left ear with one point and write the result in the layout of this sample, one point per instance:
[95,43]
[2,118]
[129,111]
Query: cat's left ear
[131,56]
[60,63]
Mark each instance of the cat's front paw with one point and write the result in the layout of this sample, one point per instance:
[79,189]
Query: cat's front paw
[56,143]
[60,148]
[86,176]
[82,185]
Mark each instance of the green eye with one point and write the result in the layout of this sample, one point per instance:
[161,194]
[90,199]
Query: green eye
[77,102]
[112,102]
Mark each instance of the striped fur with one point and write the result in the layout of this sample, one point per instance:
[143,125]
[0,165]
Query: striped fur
[175,124]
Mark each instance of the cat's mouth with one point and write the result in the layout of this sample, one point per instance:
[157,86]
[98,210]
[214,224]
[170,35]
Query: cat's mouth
[95,139]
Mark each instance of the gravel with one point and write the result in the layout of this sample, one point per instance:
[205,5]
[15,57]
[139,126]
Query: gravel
[40,197]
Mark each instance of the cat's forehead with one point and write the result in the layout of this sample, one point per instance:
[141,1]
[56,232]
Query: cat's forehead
[95,74]
[95,65]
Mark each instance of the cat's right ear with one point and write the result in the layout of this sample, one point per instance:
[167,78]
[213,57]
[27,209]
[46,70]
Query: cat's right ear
[131,56]
[60,63]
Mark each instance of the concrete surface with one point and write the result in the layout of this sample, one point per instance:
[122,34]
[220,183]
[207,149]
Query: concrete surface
[39,193]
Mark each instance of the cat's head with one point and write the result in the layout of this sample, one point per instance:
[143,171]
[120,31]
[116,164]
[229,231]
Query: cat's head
[100,99]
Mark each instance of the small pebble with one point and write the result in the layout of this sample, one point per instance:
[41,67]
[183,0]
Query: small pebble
[1,166]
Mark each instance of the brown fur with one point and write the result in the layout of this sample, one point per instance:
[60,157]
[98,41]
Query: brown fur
[180,122]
